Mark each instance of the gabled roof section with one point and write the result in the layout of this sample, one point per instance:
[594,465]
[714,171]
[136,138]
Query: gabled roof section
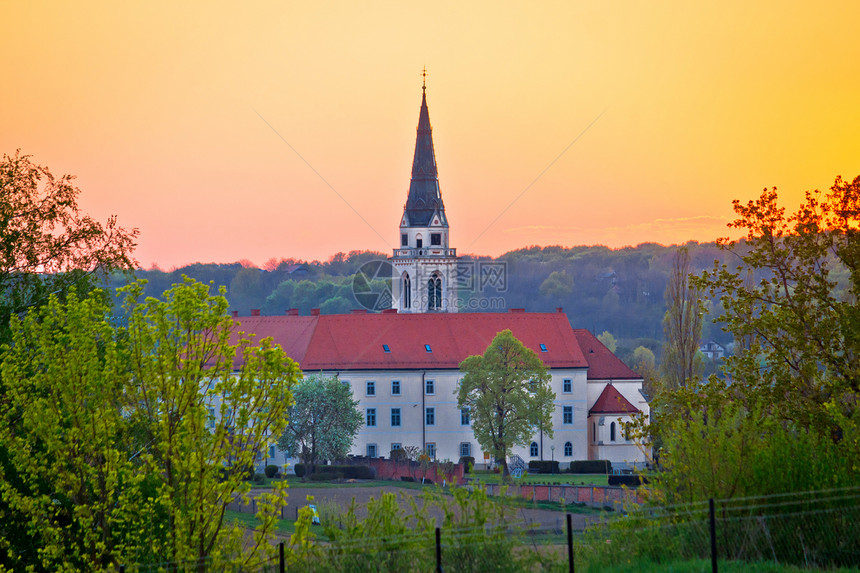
[611,401]
[602,363]
[424,196]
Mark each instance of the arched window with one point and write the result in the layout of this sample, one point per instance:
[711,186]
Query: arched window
[407,291]
[612,432]
[568,449]
[533,450]
[434,292]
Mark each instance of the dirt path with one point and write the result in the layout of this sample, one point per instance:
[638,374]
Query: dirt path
[339,499]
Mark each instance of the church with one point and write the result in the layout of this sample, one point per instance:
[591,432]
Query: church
[402,363]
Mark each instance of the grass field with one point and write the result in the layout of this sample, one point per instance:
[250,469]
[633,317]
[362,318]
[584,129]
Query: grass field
[700,566]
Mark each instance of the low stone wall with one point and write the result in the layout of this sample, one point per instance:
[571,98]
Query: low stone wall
[395,470]
[594,496]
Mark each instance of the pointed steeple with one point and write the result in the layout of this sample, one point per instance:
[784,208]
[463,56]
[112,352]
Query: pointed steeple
[424,198]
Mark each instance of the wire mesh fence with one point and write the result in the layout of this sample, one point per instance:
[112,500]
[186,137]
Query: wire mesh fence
[808,530]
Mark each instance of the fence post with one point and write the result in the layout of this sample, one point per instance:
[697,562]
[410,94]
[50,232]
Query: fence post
[569,543]
[438,550]
[282,563]
[713,536]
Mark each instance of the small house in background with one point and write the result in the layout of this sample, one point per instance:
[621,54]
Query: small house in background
[713,350]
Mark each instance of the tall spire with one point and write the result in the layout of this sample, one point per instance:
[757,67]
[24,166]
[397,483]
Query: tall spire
[424,196]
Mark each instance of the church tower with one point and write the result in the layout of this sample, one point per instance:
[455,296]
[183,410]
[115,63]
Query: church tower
[425,268]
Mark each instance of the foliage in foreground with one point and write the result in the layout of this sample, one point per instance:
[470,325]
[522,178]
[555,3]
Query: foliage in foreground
[117,458]
[478,534]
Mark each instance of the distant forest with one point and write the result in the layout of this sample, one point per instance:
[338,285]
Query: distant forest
[601,289]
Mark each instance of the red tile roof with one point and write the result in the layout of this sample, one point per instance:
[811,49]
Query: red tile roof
[611,401]
[602,364]
[355,341]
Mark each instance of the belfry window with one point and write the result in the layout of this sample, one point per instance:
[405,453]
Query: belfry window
[434,293]
[435,239]
[407,291]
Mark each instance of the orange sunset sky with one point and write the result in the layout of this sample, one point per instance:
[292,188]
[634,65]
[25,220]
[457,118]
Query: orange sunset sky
[163,111]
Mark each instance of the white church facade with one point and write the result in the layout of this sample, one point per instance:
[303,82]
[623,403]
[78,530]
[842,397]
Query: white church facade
[402,364]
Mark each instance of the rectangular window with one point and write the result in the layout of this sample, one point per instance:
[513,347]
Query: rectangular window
[395,417]
[271,452]
[427,348]
[395,387]
[435,239]
[430,450]
[371,450]
[371,417]
[404,240]
[464,417]
[210,422]
[429,387]
[465,449]
[567,415]
[430,416]
[370,388]
[386,349]
[395,446]
[543,347]
[567,386]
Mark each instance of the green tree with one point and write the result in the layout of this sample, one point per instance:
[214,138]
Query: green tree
[323,422]
[607,340]
[508,395]
[110,433]
[792,305]
[557,285]
[682,326]
[46,243]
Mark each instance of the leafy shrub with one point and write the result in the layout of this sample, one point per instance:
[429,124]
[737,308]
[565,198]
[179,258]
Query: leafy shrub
[543,466]
[398,455]
[468,462]
[407,478]
[271,470]
[590,467]
[300,470]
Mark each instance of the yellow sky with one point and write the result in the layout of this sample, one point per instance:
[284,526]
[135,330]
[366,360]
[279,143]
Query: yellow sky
[163,111]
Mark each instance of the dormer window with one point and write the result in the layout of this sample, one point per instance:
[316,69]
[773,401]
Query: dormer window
[435,239]
[386,349]
[543,347]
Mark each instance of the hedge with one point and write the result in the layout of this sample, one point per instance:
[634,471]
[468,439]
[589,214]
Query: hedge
[544,467]
[628,480]
[271,471]
[348,472]
[590,467]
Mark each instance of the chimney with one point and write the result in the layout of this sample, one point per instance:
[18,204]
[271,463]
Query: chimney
[359,311]
[389,311]
[516,310]
[235,314]
[315,312]
[255,312]
[559,309]
[292,312]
